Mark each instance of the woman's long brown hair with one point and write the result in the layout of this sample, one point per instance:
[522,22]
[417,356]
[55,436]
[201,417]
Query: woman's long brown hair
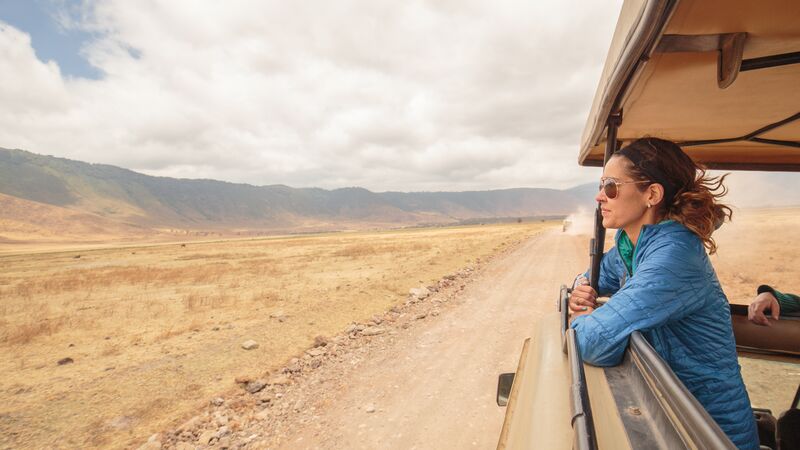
[691,196]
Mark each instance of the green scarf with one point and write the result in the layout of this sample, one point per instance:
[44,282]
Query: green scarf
[626,250]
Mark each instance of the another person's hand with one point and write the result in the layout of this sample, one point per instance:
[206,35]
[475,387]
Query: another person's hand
[582,300]
[764,301]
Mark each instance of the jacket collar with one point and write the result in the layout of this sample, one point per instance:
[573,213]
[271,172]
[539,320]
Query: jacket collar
[649,231]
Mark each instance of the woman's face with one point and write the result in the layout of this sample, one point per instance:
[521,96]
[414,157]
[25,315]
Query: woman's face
[630,204]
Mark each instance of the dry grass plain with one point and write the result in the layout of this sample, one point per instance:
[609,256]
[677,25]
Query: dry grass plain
[760,247]
[155,331]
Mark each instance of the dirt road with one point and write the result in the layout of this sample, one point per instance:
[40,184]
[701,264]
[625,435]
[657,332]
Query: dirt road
[423,375]
[435,386]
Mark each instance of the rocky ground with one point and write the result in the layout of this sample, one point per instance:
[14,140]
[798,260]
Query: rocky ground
[423,374]
[103,347]
[261,412]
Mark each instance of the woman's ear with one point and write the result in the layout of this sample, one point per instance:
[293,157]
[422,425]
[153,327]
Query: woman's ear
[655,193]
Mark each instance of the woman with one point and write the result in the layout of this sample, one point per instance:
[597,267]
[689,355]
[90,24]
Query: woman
[661,281]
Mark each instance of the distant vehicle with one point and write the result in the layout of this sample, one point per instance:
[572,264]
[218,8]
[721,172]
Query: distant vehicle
[721,78]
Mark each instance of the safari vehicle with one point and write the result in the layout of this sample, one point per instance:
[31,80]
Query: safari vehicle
[721,78]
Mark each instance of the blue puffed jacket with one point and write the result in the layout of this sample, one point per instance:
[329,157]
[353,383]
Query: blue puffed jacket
[675,300]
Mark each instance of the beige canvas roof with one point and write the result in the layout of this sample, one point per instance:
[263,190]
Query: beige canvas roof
[690,71]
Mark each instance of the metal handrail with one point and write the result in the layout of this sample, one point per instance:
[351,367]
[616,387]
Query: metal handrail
[563,309]
[584,436]
[696,425]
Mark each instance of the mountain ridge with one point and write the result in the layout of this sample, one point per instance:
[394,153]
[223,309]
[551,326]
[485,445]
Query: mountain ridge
[126,196]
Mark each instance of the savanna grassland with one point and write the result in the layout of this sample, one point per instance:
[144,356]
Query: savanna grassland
[152,332]
[760,247]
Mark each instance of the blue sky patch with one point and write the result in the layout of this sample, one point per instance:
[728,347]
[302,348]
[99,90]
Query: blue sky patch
[49,39]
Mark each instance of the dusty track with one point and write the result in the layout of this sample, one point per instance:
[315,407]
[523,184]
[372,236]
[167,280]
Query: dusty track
[428,380]
[434,386]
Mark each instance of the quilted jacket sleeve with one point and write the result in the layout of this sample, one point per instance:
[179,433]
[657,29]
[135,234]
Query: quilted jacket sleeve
[660,291]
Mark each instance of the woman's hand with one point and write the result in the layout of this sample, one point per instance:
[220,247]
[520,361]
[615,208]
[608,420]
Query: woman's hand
[764,301]
[582,300]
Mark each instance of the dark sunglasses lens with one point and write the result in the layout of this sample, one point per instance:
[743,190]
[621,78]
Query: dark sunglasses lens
[610,188]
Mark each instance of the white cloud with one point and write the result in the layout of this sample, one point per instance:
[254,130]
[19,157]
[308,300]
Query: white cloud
[29,86]
[385,95]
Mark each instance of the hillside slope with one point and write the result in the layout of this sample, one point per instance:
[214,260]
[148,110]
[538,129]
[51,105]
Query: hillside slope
[125,196]
[25,220]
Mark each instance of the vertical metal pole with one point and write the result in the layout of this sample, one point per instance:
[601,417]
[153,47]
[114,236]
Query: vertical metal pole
[597,243]
[614,121]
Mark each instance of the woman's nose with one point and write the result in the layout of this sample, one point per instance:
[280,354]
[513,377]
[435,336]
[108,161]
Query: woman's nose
[600,197]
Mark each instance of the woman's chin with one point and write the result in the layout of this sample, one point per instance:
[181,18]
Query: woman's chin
[609,223]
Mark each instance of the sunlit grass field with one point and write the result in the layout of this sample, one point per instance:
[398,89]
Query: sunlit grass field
[155,330]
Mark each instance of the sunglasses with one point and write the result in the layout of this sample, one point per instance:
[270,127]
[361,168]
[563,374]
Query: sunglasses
[610,186]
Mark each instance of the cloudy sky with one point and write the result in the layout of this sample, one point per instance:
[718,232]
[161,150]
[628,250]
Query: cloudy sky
[388,95]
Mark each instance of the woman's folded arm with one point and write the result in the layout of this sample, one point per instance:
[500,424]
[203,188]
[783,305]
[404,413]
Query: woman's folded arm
[656,295]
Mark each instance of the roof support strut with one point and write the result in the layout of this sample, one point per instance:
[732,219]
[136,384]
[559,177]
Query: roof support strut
[729,45]
[765,62]
[597,244]
[729,61]
[753,136]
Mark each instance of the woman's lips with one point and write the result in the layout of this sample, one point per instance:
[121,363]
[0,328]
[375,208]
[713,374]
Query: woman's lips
[604,211]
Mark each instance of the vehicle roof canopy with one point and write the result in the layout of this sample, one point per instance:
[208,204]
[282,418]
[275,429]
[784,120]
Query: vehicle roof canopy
[695,71]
